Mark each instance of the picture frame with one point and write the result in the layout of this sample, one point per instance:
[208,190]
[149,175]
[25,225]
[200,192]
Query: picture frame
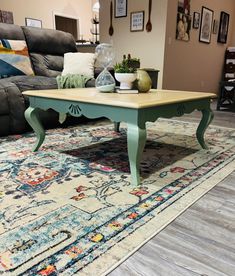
[196,20]
[215,26]
[206,25]
[31,22]
[6,17]
[137,21]
[120,8]
[223,27]
[183,27]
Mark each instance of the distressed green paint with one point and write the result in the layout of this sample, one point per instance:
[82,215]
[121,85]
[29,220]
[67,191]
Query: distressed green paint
[136,139]
[207,117]
[32,117]
[62,117]
[134,117]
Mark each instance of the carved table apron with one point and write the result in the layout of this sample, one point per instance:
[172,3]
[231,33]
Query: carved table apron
[134,109]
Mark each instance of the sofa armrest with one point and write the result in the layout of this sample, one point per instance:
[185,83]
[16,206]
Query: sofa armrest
[12,107]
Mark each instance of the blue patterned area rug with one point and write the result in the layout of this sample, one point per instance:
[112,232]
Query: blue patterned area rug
[69,209]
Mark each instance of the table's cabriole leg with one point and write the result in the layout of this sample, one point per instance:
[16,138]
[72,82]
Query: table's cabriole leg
[136,138]
[207,117]
[117,126]
[31,115]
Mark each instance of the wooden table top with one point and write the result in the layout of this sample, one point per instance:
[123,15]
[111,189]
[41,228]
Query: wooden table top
[141,100]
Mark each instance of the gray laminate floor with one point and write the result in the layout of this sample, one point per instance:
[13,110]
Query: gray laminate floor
[199,242]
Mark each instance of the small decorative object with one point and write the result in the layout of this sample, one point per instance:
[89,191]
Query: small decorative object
[149,24]
[94,32]
[223,27]
[206,25]
[144,82]
[137,21]
[33,22]
[105,56]
[126,80]
[120,8]
[196,20]
[215,26]
[125,72]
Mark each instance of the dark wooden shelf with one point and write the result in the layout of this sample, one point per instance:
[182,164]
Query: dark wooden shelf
[227,85]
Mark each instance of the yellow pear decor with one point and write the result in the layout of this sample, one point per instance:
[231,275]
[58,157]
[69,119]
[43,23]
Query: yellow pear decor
[144,82]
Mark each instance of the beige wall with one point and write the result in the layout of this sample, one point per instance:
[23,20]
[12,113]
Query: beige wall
[193,65]
[149,47]
[233,32]
[44,9]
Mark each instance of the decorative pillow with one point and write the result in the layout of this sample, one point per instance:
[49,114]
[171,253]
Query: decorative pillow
[79,63]
[14,58]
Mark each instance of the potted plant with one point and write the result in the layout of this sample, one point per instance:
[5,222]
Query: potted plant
[125,71]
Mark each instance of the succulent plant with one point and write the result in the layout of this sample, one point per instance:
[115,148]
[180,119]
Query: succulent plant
[128,65]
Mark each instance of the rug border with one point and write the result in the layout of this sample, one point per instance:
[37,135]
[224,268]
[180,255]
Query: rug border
[201,190]
[195,123]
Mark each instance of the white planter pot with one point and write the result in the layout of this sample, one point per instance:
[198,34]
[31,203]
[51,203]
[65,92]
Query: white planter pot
[126,79]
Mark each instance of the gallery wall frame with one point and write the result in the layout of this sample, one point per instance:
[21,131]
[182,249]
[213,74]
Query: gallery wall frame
[120,8]
[196,20]
[137,21]
[223,27]
[183,20]
[206,25]
[31,22]
[6,17]
[183,27]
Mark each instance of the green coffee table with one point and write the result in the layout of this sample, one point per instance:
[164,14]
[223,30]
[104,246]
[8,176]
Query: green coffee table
[134,109]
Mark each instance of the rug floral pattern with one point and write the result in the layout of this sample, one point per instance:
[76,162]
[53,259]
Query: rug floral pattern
[69,203]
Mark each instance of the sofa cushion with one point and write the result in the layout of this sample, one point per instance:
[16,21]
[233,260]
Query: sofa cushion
[47,48]
[33,82]
[90,83]
[11,31]
[14,58]
[79,63]
[48,41]
[47,65]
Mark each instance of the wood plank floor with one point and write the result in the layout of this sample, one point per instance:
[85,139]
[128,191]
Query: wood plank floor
[199,242]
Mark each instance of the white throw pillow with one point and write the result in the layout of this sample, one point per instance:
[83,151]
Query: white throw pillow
[79,63]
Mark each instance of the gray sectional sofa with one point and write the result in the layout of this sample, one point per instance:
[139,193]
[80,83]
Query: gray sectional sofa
[46,49]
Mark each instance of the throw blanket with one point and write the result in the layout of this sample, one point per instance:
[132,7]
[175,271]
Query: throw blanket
[70,81]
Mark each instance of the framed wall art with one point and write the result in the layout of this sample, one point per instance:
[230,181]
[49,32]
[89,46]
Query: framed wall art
[6,17]
[223,27]
[120,8]
[183,7]
[196,20]
[183,20]
[206,25]
[137,21]
[183,27]
[31,22]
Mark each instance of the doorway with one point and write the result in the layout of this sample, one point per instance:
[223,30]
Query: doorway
[67,24]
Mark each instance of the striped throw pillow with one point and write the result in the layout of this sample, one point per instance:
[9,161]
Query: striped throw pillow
[14,58]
